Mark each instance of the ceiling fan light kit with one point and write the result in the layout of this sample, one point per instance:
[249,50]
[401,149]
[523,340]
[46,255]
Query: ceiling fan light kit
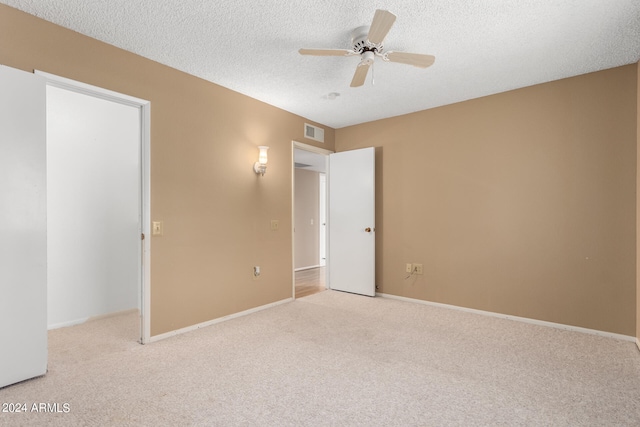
[368,43]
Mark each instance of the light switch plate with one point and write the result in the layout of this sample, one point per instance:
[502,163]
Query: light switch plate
[156,228]
[275,225]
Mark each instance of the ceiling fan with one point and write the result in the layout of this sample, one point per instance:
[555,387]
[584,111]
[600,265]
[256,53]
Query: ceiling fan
[368,43]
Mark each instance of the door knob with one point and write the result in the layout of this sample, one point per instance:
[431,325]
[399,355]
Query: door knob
[368,229]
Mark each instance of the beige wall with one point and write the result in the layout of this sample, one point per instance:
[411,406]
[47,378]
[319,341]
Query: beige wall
[307,210]
[520,203]
[204,140]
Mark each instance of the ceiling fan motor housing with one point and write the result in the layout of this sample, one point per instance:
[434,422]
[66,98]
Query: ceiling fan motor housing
[360,42]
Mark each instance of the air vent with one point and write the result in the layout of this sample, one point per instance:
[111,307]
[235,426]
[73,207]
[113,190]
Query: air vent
[301,165]
[313,132]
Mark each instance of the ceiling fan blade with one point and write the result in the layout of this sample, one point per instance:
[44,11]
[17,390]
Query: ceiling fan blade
[327,52]
[382,22]
[415,59]
[360,74]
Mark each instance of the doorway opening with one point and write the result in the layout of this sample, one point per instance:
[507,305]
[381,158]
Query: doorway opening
[310,226]
[98,204]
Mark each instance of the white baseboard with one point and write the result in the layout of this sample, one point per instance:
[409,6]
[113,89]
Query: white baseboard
[307,268]
[67,323]
[113,314]
[88,319]
[214,321]
[516,318]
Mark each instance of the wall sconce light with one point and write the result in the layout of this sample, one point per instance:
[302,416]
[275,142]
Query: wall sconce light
[260,167]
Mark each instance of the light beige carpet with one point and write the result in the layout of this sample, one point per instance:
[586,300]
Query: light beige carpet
[336,359]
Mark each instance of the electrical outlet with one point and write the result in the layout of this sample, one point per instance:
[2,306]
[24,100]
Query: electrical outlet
[408,268]
[256,272]
[417,268]
[275,225]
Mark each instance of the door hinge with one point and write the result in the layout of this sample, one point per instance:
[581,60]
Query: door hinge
[142,236]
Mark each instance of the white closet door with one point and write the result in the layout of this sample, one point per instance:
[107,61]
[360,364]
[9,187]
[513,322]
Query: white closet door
[23,226]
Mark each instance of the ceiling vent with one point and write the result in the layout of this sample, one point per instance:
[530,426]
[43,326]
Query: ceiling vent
[313,132]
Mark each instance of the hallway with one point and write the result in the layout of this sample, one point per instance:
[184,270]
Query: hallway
[309,282]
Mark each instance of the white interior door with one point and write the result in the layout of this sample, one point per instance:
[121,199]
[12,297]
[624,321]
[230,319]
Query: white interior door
[352,221]
[23,222]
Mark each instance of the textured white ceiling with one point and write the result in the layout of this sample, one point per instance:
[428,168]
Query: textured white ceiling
[481,47]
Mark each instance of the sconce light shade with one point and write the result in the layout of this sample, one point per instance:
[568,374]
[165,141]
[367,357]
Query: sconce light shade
[260,167]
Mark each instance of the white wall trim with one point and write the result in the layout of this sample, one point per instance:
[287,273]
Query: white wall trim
[312,148]
[114,314]
[516,318]
[307,268]
[145,159]
[67,323]
[90,90]
[317,150]
[145,166]
[92,318]
[215,321]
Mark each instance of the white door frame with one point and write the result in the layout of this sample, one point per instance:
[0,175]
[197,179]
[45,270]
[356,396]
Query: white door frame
[317,150]
[322,218]
[145,180]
